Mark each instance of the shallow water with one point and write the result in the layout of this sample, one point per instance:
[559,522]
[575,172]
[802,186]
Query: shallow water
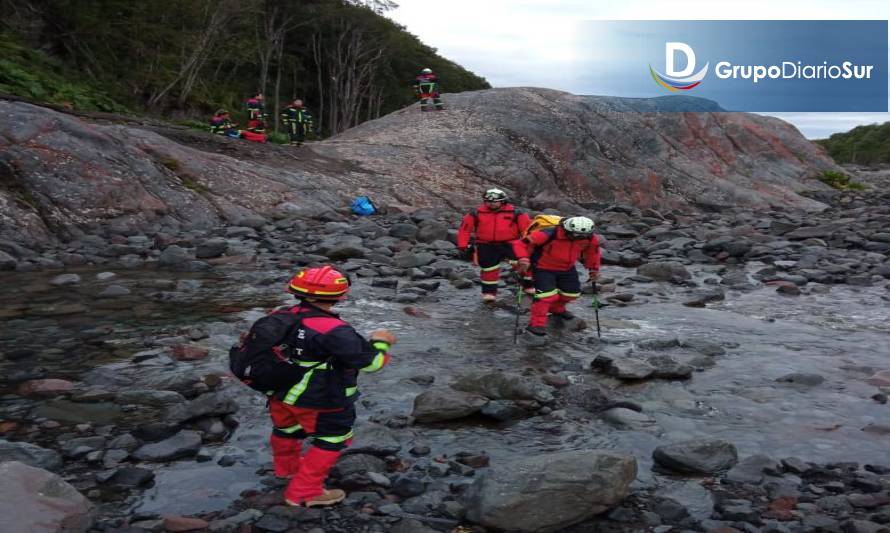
[842,335]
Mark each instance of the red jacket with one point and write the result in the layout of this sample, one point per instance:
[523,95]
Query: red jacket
[551,249]
[501,226]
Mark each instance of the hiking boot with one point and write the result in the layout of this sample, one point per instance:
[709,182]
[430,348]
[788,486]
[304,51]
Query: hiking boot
[565,315]
[539,331]
[489,298]
[328,497]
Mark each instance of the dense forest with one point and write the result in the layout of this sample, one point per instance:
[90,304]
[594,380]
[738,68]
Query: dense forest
[185,58]
[864,145]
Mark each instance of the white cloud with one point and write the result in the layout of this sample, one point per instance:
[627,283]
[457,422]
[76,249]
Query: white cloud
[533,43]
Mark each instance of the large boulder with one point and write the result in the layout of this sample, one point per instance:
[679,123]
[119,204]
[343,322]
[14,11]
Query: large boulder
[504,386]
[550,492]
[30,454]
[37,501]
[439,404]
[697,456]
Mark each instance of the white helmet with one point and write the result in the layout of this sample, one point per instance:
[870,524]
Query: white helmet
[426,71]
[494,195]
[578,226]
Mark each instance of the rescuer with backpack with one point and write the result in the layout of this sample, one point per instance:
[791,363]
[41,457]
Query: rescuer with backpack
[553,253]
[498,227]
[307,360]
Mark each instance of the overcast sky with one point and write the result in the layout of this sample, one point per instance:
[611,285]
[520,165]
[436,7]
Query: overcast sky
[533,43]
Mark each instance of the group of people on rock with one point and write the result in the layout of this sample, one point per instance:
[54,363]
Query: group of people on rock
[297,121]
[306,359]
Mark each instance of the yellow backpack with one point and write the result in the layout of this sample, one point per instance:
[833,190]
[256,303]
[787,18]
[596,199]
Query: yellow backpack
[542,222]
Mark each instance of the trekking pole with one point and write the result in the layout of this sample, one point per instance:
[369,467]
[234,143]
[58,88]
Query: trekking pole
[596,310]
[518,307]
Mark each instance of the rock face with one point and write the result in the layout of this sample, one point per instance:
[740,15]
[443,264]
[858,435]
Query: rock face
[549,146]
[61,175]
[549,492]
[34,500]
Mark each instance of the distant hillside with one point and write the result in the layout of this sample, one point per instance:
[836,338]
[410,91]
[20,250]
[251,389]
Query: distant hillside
[864,145]
[186,58]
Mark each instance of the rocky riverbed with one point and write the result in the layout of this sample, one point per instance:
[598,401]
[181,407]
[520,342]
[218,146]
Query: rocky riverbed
[739,385]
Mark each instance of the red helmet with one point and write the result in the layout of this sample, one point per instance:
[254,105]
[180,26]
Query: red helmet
[320,283]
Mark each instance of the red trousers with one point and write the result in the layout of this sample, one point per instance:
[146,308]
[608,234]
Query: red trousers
[330,431]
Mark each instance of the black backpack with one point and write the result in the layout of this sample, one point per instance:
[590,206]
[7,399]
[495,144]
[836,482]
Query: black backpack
[262,360]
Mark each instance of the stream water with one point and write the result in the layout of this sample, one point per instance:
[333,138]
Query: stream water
[842,334]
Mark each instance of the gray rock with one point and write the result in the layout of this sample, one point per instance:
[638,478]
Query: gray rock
[504,386]
[211,248]
[34,500]
[403,231]
[407,486]
[410,260]
[7,262]
[799,378]
[30,454]
[63,280]
[155,398]
[671,271]
[358,463]
[409,525]
[578,485]
[503,410]
[750,470]
[863,526]
[700,299]
[374,439]
[439,404]
[210,404]
[431,231]
[131,477]
[124,442]
[346,251]
[697,456]
[114,291]
[174,256]
[667,367]
[233,522]
[623,418]
[624,368]
[183,444]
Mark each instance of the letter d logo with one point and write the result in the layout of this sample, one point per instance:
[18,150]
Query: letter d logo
[681,80]
[670,50]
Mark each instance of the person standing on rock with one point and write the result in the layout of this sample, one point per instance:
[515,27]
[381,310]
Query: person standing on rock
[498,227]
[553,253]
[320,405]
[256,114]
[426,87]
[298,121]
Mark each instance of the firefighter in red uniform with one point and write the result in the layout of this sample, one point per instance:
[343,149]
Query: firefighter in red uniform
[498,227]
[321,405]
[256,114]
[553,253]
[426,87]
